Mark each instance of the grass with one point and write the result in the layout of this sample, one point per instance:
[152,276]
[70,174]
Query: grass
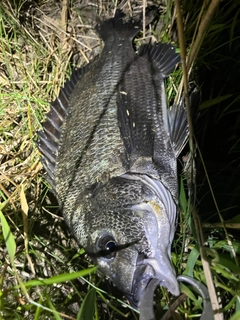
[44,275]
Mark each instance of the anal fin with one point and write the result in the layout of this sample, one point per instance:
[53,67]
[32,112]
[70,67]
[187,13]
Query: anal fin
[178,123]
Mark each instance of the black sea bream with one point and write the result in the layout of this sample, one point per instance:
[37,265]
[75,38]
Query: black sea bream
[110,148]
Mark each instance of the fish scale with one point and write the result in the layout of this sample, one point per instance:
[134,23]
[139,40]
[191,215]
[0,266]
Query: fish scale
[110,148]
[149,135]
[83,162]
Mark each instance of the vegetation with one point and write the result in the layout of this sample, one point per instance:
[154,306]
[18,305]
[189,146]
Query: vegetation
[44,275]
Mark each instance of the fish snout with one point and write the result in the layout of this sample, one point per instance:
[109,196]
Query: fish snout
[147,277]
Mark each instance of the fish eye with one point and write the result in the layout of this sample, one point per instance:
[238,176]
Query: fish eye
[106,246]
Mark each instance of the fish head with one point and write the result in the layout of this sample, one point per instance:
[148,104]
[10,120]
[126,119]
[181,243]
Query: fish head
[131,242]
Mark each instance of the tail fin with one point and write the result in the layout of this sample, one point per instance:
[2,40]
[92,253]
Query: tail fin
[117,26]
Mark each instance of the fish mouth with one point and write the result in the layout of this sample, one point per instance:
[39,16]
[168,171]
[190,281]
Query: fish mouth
[142,277]
[148,275]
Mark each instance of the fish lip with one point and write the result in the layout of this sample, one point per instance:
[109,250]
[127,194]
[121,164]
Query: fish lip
[147,270]
[142,277]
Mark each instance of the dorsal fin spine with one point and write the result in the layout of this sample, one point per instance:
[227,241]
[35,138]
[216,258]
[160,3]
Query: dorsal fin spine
[61,104]
[54,137]
[53,123]
[52,145]
[60,115]
[47,152]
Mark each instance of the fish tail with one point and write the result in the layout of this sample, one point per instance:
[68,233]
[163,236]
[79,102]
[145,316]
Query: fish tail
[118,27]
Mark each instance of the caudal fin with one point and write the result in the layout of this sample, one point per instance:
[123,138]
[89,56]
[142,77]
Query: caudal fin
[119,27]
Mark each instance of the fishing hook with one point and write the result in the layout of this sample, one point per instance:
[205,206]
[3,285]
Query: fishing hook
[146,309]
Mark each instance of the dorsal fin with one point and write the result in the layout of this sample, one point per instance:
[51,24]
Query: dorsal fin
[163,54]
[141,99]
[50,135]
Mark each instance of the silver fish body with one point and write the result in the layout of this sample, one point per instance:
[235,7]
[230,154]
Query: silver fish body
[110,149]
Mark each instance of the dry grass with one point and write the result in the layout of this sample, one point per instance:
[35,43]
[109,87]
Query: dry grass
[40,43]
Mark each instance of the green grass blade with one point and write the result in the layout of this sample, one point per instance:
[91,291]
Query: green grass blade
[56,315]
[182,196]
[236,316]
[8,237]
[191,262]
[58,279]
[87,309]
[211,102]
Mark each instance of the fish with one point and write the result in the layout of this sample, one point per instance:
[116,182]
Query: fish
[110,146]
